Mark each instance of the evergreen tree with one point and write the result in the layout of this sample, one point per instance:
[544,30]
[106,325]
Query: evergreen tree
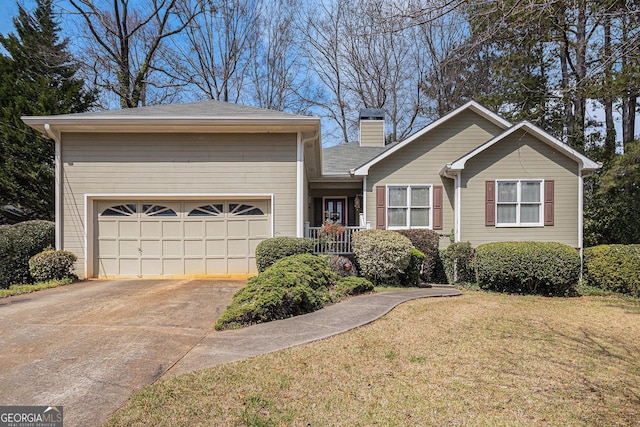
[37,77]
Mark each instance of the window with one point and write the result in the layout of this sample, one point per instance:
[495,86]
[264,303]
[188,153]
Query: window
[120,210]
[244,210]
[157,210]
[409,206]
[519,203]
[213,209]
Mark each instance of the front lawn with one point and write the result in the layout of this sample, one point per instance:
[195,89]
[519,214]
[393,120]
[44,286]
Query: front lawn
[478,359]
[27,289]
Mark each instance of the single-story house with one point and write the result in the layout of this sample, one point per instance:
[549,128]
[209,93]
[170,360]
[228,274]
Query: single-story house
[190,189]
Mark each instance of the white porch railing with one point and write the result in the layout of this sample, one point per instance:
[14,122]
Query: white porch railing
[335,243]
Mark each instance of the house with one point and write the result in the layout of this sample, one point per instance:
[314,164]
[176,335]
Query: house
[190,189]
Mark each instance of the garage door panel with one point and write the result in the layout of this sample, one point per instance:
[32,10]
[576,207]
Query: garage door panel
[156,239]
[238,228]
[193,229]
[216,229]
[128,228]
[172,229]
[194,248]
[173,267]
[151,229]
[216,248]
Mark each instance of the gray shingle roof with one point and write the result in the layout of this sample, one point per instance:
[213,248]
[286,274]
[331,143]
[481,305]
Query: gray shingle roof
[341,158]
[208,108]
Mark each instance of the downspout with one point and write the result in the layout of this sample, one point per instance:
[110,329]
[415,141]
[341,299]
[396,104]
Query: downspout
[458,199]
[364,202]
[58,184]
[300,182]
[580,211]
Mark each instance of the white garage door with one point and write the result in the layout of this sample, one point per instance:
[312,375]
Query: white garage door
[179,238]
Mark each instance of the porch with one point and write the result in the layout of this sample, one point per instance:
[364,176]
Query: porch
[331,238]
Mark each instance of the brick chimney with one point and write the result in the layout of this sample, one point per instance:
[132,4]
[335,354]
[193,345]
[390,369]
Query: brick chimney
[372,127]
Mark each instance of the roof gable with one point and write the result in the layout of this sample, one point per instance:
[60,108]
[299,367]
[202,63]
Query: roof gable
[469,106]
[586,164]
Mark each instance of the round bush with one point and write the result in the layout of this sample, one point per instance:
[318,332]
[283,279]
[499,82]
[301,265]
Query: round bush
[18,243]
[382,255]
[270,250]
[52,265]
[411,275]
[613,268]
[543,268]
[457,260]
[340,265]
[427,242]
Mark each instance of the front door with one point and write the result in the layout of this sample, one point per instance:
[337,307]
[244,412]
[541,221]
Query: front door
[335,210]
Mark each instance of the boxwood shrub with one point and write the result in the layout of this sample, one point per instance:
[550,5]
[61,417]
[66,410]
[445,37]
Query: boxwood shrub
[458,263]
[341,265]
[291,286]
[427,242]
[270,250]
[52,265]
[382,255]
[18,243]
[411,275]
[543,268]
[613,268]
[351,285]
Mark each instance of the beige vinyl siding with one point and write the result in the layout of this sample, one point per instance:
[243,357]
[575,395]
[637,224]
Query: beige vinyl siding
[520,156]
[420,161]
[372,133]
[149,164]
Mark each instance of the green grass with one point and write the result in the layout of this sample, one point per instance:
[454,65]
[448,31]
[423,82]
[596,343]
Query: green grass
[481,359]
[26,289]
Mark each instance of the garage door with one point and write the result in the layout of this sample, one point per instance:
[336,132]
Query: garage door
[179,238]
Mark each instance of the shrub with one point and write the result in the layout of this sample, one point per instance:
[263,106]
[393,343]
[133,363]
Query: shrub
[411,275]
[352,286]
[270,250]
[381,255]
[340,265]
[613,268]
[18,243]
[52,265]
[457,260]
[291,286]
[543,268]
[427,242]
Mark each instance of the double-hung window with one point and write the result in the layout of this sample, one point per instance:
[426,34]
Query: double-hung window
[409,206]
[519,203]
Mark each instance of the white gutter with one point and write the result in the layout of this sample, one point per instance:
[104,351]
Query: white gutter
[364,200]
[58,184]
[580,211]
[458,200]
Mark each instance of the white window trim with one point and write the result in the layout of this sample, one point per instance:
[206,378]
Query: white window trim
[408,207]
[518,204]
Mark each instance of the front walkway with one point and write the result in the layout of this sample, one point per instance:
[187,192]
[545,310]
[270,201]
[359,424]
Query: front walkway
[233,345]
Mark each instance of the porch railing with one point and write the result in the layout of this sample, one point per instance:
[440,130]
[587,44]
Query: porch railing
[335,243]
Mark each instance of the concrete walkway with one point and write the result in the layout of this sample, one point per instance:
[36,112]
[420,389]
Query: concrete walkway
[217,348]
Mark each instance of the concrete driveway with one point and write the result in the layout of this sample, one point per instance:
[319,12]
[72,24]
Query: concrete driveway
[89,345]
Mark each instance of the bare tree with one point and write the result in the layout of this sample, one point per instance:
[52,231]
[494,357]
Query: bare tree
[122,44]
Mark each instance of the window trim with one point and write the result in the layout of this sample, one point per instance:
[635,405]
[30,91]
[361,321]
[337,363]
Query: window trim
[408,226]
[519,203]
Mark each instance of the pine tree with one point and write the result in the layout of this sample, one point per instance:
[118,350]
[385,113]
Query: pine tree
[37,77]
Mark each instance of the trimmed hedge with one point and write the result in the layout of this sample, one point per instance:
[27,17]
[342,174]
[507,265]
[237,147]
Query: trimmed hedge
[458,260]
[291,286]
[427,242]
[18,243]
[410,277]
[271,250]
[52,265]
[543,268]
[382,255]
[352,286]
[613,268]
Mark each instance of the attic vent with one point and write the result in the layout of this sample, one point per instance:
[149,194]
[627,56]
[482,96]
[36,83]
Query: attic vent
[372,127]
